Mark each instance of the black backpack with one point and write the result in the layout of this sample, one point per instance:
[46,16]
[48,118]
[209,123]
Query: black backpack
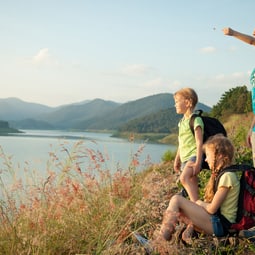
[212,126]
[246,201]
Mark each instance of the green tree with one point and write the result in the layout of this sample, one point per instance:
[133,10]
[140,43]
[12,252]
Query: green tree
[236,100]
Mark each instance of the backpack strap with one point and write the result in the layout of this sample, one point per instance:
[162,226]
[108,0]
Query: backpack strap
[242,168]
[232,168]
[197,113]
[237,168]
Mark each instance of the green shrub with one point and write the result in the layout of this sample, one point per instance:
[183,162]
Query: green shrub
[243,154]
[168,156]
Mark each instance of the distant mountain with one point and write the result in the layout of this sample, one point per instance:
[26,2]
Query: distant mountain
[16,109]
[94,114]
[31,124]
[69,115]
[128,111]
[142,108]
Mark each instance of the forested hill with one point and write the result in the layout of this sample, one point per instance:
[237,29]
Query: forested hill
[100,115]
[6,129]
[152,114]
[234,101]
[164,121]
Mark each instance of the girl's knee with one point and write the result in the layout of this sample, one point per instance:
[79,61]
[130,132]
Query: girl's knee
[174,201]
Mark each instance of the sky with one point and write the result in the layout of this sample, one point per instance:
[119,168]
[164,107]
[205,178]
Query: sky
[57,52]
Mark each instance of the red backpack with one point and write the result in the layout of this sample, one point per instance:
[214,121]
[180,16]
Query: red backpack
[246,201]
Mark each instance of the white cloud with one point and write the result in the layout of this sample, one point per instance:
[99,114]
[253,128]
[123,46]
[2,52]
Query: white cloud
[208,49]
[177,83]
[43,57]
[220,77]
[154,82]
[233,77]
[233,48]
[136,69]
[239,75]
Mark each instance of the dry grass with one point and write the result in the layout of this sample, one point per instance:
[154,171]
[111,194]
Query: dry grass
[90,211]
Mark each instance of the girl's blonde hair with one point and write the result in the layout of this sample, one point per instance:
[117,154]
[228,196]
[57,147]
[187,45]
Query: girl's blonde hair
[189,94]
[223,151]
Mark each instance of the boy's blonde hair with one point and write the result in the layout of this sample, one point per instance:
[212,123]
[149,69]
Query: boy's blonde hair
[190,94]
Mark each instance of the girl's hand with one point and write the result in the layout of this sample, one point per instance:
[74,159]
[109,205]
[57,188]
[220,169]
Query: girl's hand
[199,202]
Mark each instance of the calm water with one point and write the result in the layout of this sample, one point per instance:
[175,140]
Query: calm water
[31,149]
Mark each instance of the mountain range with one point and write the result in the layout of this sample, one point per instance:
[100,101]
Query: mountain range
[97,114]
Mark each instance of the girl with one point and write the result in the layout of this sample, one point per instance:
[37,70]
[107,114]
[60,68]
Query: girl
[189,154]
[202,215]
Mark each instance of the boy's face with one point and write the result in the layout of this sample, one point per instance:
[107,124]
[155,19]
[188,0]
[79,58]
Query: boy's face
[181,104]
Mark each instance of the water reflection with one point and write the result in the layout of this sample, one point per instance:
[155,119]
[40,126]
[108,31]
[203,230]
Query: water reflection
[33,148]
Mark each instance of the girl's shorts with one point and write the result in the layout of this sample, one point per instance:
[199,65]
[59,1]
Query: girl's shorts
[217,226]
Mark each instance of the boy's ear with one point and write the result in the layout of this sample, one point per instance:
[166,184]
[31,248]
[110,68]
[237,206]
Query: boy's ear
[188,102]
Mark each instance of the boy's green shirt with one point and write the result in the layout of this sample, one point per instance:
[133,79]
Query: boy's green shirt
[187,141]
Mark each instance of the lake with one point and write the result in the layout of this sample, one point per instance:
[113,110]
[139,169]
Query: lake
[31,149]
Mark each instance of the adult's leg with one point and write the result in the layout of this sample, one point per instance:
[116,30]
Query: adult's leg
[253,147]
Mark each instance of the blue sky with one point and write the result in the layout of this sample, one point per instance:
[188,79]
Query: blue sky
[57,52]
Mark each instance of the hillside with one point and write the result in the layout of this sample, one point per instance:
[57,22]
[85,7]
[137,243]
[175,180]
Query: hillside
[163,121]
[68,116]
[151,114]
[6,129]
[108,116]
[16,109]
[96,114]
[128,111]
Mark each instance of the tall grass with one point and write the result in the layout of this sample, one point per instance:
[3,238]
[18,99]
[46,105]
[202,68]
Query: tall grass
[91,208]
[71,210]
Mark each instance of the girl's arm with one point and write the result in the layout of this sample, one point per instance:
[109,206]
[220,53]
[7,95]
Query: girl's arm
[243,37]
[217,201]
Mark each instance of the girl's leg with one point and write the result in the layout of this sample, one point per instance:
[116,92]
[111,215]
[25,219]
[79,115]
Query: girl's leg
[168,225]
[178,206]
[190,182]
[159,242]
[193,213]
[187,234]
